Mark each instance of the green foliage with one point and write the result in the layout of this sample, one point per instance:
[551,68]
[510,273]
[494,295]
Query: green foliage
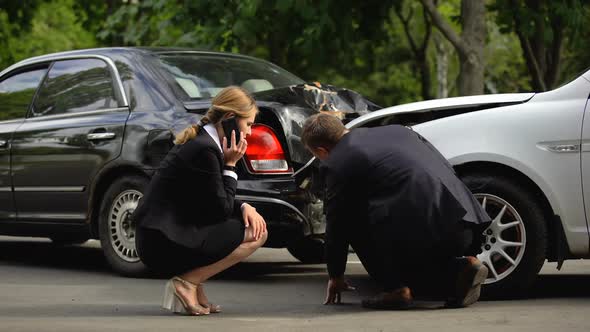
[356,44]
[64,30]
[544,26]
[505,67]
[20,12]
[47,32]
[576,56]
[15,105]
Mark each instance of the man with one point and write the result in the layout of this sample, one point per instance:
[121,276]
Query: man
[397,201]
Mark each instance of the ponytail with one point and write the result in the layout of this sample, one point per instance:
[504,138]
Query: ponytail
[232,99]
[190,132]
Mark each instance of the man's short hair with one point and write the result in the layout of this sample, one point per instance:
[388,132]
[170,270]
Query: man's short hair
[322,130]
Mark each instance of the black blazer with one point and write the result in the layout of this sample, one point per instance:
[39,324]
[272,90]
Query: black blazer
[188,191]
[392,175]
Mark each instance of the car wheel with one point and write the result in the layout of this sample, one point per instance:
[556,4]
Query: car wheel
[515,243]
[116,229]
[309,250]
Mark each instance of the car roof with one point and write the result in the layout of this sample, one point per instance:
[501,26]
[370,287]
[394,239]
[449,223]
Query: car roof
[111,51]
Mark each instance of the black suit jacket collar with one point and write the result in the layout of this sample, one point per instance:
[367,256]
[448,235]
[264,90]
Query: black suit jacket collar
[212,143]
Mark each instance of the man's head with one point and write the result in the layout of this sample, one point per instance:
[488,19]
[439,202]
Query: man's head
[321,132]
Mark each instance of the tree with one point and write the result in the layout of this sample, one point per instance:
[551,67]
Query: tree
[576,58]
[420,50]
[36,30]
[541,27]
[345,43]
[469,45]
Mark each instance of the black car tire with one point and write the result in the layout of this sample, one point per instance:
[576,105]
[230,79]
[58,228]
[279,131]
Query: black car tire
[111,227]
[309,250]
[519,281]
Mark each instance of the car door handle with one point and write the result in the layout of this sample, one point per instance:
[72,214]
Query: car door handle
[3,143]
[100,136]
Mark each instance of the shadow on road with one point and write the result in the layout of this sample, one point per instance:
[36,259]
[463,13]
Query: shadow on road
[47,254]
[90,259]
[562,285]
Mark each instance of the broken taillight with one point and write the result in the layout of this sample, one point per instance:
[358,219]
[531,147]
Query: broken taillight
[265,153]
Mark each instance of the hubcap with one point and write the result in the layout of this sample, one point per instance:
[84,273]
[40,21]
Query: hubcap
[121,227]
[505,238]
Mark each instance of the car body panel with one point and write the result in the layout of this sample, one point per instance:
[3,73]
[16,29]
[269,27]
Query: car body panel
[56,157]
[17,90]
[7,208]
[53,162]
[585,160]
[519,136]
[444,104]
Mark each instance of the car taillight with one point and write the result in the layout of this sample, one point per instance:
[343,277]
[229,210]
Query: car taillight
[265,153]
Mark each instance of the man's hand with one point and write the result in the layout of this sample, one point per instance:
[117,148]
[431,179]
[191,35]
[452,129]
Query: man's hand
[253,219]
[335,287]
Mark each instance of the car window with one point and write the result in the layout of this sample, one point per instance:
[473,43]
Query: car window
[16,93]
[75,86]
[201,76]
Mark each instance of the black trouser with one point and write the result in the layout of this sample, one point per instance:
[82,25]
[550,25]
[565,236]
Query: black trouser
[391,263]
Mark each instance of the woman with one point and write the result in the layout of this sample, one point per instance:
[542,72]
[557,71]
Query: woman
[189,221]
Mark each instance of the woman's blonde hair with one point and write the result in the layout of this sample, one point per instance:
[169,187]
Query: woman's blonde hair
[232,99]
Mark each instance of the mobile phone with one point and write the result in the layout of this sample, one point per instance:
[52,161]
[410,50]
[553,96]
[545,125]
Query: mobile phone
[228,125]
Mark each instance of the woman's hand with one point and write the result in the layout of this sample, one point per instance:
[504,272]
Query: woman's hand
[253,219]
[236,151]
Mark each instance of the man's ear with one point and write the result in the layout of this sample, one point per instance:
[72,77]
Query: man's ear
[323,150]
[320,152]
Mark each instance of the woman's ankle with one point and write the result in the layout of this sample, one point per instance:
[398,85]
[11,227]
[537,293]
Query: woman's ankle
[191,280]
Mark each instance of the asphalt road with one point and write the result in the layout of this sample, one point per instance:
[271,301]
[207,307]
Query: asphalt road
[49,288]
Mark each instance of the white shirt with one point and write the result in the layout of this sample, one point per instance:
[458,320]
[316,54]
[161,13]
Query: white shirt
[210,129]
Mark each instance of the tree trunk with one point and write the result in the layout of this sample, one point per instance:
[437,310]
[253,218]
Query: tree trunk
[543,58]
[426,80]
[420,52]
[554,67]
[442,67]
[469,46]
[471,78]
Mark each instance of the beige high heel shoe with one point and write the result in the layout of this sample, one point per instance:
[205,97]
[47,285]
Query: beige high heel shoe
[175,303]
[213,308]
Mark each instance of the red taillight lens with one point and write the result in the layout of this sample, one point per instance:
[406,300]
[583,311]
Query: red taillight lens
[265,153]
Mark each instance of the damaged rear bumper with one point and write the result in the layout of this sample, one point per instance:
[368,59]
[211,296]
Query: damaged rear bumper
[289,208]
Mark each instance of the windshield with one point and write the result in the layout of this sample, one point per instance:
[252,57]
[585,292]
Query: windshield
[202,76]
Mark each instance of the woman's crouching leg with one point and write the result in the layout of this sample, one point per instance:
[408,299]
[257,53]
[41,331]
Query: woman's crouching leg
[251,242]
[245,249]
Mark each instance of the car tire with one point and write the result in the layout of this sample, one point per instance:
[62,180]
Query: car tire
[520,205]
[116,230]
[309,250]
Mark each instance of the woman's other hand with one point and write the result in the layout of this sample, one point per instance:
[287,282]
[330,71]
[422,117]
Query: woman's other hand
[236,151]
[253,219]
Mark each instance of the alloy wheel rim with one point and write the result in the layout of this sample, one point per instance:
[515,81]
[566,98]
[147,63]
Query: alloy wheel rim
[121,227]
[504,240]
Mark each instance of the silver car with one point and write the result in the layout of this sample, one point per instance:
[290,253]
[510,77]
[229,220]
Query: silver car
[526,157]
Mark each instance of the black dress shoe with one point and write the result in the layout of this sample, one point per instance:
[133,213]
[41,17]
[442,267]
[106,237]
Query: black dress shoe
[472,273]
